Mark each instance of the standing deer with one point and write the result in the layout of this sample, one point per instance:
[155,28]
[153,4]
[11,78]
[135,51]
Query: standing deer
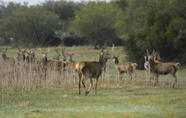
[57,57]
[55,65]
[21,57]
[91,69]
[158,68]
[104,64]
[70,65]
[9,60]
[124,67]
[113,47]
[146,64]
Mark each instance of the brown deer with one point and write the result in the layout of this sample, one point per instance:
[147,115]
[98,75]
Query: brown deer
[113,47]
[91,69]
[146,64]
[9,60]
[158,68]
[55,65]
[57,57]
[33,63]
[124,67]
[104,64]
[70,65]
[134,65]
[21,56]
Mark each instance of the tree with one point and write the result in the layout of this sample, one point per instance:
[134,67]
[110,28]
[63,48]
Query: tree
[95,22]
[31,25]
[153,24]
[6,10]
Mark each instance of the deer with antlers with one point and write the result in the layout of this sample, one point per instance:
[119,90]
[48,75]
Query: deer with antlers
[21,56]
[57,57]
[158,68]
[9,60]
[91,69]
[55,65]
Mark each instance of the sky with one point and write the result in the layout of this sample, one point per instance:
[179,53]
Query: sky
[35,2]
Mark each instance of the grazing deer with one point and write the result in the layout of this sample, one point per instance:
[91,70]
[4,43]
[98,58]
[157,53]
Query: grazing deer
[158,68]
[9,60]
[91,69]
[124,67]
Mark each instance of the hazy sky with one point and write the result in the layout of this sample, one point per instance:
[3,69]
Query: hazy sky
[34,2]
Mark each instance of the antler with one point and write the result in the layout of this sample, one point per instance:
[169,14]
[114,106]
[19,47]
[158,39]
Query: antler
[57,51]
[48,49]
[63,51]
[147,51]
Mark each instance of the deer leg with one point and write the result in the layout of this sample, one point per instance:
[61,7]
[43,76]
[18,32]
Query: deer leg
[155,79]
[103,73]
[130,75]
[83,81]
[96,86]
[175,80]
[91,83]
[80,75]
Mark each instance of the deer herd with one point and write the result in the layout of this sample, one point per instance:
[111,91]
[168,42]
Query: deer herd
[89,69]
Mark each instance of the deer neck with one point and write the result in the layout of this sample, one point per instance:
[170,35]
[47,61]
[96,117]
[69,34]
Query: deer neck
[152,63]
[4,57]
[23,57]
[45,60]
[145,58]
[116,61]
[102,61]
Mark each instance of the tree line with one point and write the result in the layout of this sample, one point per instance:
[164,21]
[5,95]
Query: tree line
[135,24]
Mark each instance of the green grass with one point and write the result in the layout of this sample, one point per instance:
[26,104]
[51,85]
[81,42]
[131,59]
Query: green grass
[118,102]
[59,98]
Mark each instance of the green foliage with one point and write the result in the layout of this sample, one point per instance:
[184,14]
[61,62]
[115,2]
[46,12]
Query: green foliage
[95,21]
[153,24]
[31,25]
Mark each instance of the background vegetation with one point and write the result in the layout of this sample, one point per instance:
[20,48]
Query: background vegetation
[137,25]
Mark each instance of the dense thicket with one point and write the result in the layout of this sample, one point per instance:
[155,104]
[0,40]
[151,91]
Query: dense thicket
[154,24]
[141,24]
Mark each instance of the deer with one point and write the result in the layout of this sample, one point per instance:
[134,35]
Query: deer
[91,69]
[113,47]
[158,68]
[9,60]
[21,56]
[57,57]
[104,64]
[55,65]
[124,67]
[134,65]
[70,65]
[33,63]
[146,64]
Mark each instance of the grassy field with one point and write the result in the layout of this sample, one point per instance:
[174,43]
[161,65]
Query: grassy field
[30,96]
